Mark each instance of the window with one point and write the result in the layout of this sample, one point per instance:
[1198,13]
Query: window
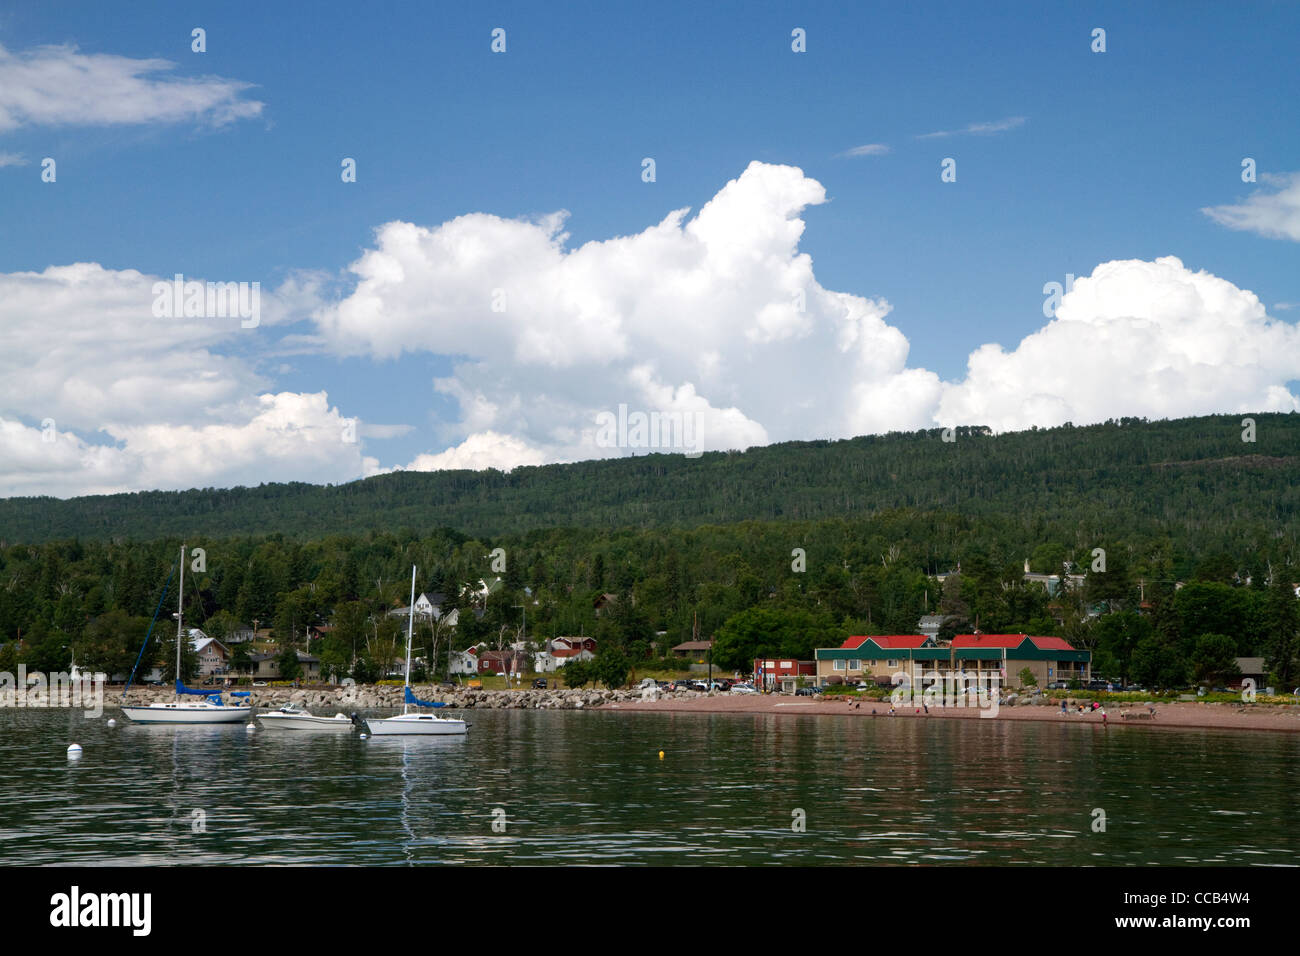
[840,665]
[893,662]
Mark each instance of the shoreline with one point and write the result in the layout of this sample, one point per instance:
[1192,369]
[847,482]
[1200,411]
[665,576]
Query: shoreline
[1277,718]
[1185,715]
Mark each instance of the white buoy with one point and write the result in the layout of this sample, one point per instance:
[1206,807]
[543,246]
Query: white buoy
[112,722]
[74,751]
[250,727]
[364,736]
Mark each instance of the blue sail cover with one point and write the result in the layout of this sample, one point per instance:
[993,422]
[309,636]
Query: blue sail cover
[412,699]
[182,689]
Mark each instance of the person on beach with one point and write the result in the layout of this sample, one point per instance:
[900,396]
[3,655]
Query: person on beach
[1062,708]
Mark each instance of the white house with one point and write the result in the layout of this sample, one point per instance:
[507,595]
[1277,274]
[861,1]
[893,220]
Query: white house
[464,662]
[428,607]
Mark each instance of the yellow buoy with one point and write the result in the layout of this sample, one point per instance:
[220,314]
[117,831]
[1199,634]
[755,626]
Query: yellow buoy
[661,755]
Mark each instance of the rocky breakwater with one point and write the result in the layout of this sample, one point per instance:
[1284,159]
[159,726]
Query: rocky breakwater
[367,697]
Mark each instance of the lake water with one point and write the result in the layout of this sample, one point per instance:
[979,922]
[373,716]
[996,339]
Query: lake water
[577,787]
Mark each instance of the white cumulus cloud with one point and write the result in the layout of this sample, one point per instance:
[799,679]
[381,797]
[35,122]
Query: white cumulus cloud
[1134,338]
[699,332]
[719,320]
[131,400]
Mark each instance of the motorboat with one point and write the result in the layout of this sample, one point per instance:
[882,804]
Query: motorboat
[293,717]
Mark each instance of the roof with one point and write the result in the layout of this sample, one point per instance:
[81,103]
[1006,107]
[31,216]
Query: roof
[1250,665]
[1010,641]
[500,655]
[693,646]
[886,641]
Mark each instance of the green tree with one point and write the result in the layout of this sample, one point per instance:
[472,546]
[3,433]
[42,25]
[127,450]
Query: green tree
[611,668]
[111,642]
[954,608]
[578,673]
[1118,635]
[764,632]
[240,658]
[1281,642]
[288,663]
[1214,660]
[1158,664]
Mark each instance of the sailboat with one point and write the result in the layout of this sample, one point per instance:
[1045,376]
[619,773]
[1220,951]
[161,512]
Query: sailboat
[414,723]
[210,710]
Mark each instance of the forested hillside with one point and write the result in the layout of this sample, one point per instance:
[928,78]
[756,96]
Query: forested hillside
[775,551]
[1194,479]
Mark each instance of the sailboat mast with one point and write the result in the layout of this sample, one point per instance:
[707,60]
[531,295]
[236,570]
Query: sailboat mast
[410,627]
[180,615]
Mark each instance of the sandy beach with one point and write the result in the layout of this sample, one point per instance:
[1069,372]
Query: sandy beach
[1168,715]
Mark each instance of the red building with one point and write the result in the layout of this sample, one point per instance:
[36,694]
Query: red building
[772,672]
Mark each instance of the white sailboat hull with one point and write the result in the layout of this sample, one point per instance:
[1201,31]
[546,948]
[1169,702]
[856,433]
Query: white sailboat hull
[200,713]
[278,721]
[416,724]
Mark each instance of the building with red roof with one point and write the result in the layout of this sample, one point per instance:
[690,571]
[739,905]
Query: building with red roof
[1048,659]
[1004,656]
[876,657]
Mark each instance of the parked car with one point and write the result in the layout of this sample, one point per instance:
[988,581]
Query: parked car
[1059,685]
[256,683]
[807,691]
[743,689]
[540,683]
[1100,685]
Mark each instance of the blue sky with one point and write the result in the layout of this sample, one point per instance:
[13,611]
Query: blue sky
[1099,157]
